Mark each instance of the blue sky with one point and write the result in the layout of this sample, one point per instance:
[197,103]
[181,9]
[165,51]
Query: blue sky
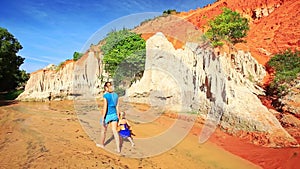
[50,31]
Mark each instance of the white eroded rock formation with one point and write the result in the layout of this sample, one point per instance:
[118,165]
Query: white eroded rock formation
[195,79]
[69,81]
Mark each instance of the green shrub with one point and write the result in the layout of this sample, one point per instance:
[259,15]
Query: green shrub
[170,11]
[287,68]
[77,56]
[13,94]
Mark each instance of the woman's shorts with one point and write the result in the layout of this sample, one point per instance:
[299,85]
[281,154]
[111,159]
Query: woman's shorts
[110,118]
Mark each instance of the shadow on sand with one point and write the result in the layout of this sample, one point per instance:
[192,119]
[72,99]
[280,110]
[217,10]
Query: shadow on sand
[7,102]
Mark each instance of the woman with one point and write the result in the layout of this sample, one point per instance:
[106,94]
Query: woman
[110,114]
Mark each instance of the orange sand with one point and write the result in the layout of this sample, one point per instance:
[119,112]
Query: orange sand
[49,135]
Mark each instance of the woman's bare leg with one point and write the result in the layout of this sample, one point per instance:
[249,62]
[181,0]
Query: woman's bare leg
[121,142]
[102,136]
[114,125]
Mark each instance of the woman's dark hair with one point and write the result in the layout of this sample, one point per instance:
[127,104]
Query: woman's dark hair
[106,84]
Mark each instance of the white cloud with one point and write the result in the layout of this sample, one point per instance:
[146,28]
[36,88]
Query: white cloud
[35,11]
[44,59]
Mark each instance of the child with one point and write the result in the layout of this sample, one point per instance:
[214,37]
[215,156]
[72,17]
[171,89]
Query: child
[124,128]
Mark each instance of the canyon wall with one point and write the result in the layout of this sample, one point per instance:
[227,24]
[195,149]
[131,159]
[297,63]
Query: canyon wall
[50,83]
[69,81]
[197,79]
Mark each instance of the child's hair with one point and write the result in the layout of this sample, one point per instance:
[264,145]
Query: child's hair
[122,114]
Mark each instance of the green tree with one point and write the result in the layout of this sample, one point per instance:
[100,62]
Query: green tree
[124,57]
[10,75]
[22,78]
[122,45]
[229,26]
[77,56]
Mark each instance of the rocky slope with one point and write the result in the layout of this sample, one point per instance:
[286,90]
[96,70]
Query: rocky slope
[273,28]
[50,83]
[196,79]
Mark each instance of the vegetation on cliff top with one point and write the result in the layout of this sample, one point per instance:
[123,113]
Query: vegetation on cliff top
[170,12]
[229,26]
[10,74]
[77,56]
[287,68]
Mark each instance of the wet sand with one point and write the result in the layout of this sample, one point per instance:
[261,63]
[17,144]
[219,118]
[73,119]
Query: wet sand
[49,135]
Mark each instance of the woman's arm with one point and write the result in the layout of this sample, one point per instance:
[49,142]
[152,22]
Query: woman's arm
[117,108]
[119,122]
[104,110]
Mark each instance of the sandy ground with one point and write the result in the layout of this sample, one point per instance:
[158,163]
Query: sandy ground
[49,135]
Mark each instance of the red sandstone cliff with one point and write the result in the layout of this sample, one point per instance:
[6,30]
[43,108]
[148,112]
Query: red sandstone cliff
[274,27]
[274,24]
